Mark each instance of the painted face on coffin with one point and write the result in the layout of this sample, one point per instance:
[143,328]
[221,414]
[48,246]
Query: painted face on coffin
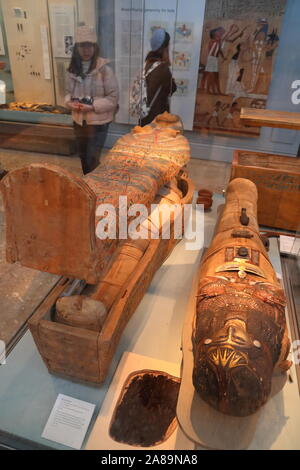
[228,344]
[233,370]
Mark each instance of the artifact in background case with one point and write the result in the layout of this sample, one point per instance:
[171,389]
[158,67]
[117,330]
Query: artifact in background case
[51,226]
[239,333]
[277,179]
[35,107]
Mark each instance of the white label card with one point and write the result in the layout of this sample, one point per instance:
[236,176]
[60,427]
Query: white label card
[69,421]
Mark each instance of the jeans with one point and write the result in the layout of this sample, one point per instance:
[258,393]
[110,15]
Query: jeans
[90,140]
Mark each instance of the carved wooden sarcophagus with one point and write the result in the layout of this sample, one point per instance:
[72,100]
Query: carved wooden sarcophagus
[52,219]
[239,332]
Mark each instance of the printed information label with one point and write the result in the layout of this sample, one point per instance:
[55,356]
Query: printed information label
[68,421]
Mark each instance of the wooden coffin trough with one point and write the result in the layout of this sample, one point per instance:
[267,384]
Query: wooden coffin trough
[277,179]
[83,354]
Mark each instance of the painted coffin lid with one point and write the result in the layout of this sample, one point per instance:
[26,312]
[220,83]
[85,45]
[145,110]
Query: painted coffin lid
[51,214]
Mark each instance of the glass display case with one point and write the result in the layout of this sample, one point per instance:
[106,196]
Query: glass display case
[37,47]
[222,57]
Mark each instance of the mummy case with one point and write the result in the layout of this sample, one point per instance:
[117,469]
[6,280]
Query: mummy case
[239,332]
[51,221]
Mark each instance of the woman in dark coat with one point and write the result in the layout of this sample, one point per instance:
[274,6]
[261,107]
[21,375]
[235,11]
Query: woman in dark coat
[160,78]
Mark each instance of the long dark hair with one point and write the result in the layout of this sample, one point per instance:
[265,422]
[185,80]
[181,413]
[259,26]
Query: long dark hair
[76,61]
[153,56]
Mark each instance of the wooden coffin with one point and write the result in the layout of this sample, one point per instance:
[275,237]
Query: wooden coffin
[85,355]
[51,214]
[277,179]
[52,222]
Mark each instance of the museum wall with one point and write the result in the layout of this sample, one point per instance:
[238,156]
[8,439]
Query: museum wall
[106,29]
[286,71]
[5,74]
[78,12]
[31,71]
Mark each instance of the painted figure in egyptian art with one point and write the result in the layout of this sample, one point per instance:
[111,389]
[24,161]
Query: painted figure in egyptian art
[239,331]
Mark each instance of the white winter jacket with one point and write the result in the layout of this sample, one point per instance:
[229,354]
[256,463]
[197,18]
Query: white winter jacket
[102,85]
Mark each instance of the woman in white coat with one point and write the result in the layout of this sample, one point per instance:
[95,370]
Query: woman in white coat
[92,95]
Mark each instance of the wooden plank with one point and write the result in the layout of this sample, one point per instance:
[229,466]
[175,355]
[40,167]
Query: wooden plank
[70,351]
[270,118]
[44,215]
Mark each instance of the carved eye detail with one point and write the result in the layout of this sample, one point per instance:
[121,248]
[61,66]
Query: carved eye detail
[257,343]
[208,341]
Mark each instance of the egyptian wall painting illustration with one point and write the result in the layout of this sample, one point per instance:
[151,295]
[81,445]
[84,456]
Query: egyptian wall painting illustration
[239,44]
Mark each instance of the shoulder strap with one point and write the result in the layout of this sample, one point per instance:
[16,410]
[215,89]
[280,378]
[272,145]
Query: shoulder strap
[154,97]
[153,67]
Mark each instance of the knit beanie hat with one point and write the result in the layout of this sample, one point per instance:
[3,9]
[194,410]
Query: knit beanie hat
[85,34]
[158,38]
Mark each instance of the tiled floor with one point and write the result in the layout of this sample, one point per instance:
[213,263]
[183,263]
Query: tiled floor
[206,174]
